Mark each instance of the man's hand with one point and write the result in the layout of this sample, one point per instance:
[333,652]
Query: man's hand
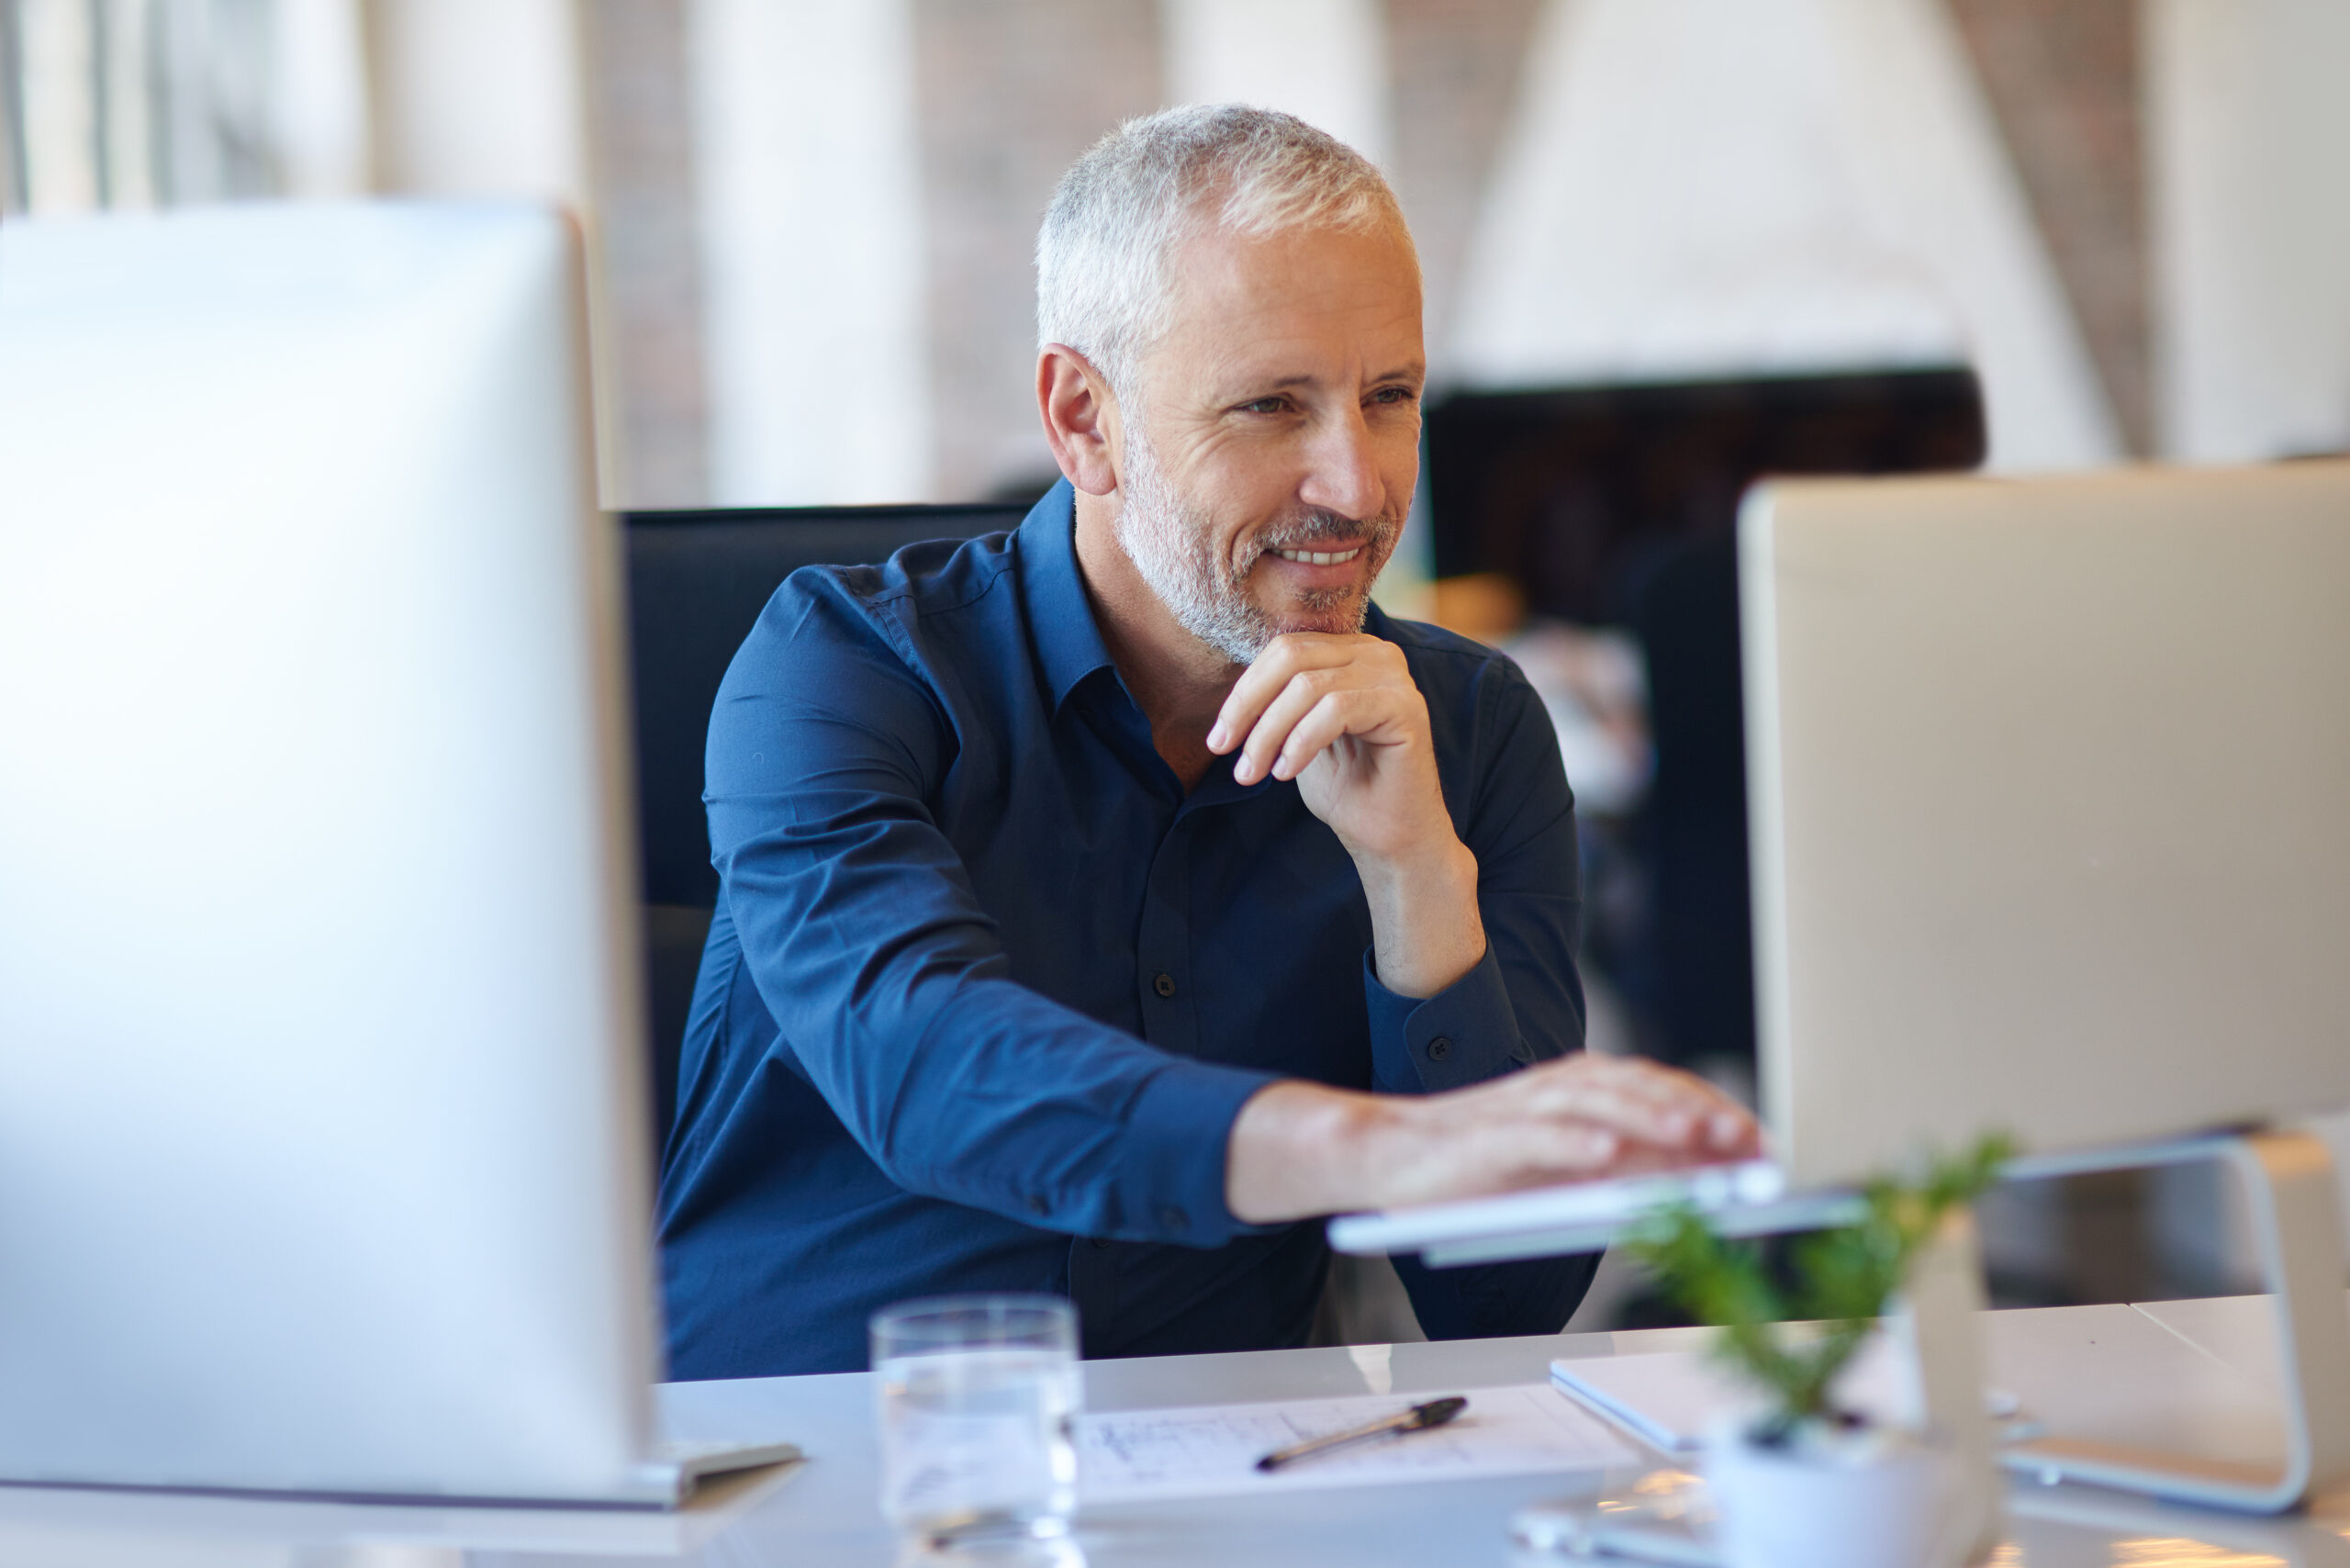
[1301,1148]
[1340,714]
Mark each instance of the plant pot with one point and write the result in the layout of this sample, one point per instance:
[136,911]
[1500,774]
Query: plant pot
[1869,1499]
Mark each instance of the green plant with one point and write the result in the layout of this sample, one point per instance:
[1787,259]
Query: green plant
[1840,1279]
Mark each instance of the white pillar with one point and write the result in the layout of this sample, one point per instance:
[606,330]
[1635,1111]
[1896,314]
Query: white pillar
[477,97]
[812,305]
[2248,180]
[126,45]
[319,97]
[61,111]
[1323,61]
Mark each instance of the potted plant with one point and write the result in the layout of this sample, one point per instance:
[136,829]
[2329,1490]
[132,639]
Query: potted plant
[1809,1483]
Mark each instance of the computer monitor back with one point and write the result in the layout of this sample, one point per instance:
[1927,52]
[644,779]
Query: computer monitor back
[2049,786]
[319,1161]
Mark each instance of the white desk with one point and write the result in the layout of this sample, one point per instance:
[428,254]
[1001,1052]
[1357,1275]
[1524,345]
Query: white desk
[2110,1370]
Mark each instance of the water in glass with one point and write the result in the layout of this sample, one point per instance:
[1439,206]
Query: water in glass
[978,1400]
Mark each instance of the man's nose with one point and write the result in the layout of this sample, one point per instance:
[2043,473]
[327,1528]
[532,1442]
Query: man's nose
[1342,474]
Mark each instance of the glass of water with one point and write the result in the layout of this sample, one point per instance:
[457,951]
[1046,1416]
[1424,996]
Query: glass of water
[979,1397]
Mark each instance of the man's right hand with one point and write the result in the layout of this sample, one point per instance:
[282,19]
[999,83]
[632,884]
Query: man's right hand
[1299,1149]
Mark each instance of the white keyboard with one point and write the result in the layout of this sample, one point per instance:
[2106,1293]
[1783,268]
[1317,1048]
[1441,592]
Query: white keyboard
[1748,1197]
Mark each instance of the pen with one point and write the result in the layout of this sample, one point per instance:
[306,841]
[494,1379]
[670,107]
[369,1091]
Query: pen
[1419,1418]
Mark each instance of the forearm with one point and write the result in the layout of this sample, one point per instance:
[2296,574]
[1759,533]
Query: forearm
[1302,1148]
[1426,930]
[1297,1149]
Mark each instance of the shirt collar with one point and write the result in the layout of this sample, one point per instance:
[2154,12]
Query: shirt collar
[1061,617]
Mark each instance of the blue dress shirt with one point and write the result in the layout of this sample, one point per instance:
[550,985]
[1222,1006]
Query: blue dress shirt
[986,987]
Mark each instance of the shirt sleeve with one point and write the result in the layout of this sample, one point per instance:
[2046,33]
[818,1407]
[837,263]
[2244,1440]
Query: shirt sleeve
[1523,1002]
[887,980]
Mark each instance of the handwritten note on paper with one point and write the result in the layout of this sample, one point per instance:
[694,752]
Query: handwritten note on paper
[1212,1451]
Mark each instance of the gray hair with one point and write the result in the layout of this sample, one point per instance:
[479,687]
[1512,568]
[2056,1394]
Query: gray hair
[1104,254]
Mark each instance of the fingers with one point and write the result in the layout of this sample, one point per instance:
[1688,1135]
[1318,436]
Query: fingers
[1330,715]
[1266,743]
[1665,1110]
[1285,658]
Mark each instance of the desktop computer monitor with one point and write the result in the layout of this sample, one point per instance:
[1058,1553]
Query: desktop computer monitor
[321,1164]
[2049,786]
[2050,798]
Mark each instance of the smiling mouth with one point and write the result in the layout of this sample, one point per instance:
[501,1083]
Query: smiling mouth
[1319,557]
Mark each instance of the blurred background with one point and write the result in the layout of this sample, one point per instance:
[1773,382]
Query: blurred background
[1670,245]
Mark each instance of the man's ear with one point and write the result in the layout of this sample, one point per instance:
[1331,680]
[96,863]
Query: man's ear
[1080,419]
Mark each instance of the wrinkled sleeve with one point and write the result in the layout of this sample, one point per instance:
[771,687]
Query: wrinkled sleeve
[888,983]
[1523,1002]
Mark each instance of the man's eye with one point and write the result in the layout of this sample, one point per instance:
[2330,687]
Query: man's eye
[1395,395]
[1265,406]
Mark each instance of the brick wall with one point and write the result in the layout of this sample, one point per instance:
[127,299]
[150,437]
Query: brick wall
[640,127]
[2064,81]
[1011,92]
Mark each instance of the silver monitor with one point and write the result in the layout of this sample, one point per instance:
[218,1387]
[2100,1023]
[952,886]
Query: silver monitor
[2049,791]
[2048,785]
[322,1161]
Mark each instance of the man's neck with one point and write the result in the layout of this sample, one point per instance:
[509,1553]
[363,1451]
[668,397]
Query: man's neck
[1179,681]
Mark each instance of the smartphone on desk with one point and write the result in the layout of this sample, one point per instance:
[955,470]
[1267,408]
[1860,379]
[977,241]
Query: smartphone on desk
[1665,1517]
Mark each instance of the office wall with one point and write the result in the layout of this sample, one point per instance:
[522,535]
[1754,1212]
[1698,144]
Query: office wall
[1001,115]
[646,194]
[472,98]
[816,341]
[2063,83]
[727,262]
[1810,186]
[2250,154]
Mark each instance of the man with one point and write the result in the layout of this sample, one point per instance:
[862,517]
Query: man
[1081,885]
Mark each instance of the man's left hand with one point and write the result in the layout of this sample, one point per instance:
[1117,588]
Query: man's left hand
[1341,715]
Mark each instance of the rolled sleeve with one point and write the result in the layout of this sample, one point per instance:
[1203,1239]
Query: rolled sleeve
[1465,1034]
[1170,1182]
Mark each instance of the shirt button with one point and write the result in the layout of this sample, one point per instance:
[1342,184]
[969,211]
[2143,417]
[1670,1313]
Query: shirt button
[1163,983]
[1036,1205]
[1100,1243]
[1439,1048]
[1174,1218]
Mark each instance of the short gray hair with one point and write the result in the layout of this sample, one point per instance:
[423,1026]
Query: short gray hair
[1106,250]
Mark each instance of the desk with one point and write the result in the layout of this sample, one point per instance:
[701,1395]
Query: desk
[2114,1370]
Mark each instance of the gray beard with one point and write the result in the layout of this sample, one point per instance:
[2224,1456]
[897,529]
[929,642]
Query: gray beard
[1167,540]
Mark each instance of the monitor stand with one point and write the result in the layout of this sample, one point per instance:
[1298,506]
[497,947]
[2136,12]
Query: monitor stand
[2296,1226]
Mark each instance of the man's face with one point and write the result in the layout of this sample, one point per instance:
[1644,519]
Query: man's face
[1276,441]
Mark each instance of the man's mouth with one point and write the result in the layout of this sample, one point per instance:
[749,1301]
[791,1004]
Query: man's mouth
[1320,557]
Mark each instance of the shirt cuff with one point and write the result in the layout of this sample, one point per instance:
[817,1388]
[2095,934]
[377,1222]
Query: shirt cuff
[1465,1034]
[1171,1178]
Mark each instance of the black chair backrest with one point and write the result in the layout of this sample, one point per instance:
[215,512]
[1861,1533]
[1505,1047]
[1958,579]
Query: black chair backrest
[697,583]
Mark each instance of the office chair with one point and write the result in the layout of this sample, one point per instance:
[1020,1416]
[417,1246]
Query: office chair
[697,583]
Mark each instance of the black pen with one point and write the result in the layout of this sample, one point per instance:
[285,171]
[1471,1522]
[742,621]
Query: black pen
[1419,1418]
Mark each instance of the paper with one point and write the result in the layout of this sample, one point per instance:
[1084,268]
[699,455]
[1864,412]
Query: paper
[1212,1451]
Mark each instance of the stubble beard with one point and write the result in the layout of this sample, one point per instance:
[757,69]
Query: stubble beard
[1170,540]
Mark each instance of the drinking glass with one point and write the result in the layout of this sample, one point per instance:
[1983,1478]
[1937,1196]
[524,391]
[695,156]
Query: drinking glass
[979,1396]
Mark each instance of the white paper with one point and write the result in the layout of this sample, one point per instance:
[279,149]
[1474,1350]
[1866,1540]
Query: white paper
[1212,1451]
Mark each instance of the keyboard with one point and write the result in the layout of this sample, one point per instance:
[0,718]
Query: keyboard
[1748,1197]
